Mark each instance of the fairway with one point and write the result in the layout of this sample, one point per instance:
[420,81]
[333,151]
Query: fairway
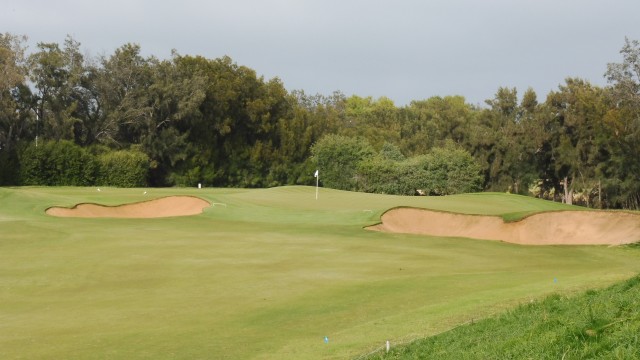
[262,274]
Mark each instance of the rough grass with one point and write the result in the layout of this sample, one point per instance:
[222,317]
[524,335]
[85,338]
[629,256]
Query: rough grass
[261,274]
[597,324]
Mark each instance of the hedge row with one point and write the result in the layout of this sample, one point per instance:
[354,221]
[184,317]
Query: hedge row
[443,171]
[352,164]
[64,163]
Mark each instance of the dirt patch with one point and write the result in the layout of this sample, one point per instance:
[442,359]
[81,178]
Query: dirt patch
[549,228]
[157,208]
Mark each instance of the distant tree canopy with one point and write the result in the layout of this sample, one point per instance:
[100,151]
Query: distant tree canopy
[66,119]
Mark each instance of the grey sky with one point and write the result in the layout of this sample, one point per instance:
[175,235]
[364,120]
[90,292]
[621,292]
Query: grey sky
[405,49]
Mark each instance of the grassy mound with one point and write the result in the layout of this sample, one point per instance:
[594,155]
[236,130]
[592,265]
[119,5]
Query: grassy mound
[598,324]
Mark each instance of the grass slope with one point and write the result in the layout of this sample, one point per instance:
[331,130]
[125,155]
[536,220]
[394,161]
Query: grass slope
[599,324]
[262,274]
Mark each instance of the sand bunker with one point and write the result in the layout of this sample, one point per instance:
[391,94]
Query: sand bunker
[157,208]
[549,228]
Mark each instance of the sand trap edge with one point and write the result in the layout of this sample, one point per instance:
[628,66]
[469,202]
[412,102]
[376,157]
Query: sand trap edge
[167,206]
[562,227]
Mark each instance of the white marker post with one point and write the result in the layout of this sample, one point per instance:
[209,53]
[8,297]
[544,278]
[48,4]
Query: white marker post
[388,345]
[317,176]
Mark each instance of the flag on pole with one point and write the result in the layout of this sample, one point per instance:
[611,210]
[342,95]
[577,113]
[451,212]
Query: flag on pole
[317,180]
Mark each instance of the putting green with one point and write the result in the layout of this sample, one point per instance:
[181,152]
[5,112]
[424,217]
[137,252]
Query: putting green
[262,274]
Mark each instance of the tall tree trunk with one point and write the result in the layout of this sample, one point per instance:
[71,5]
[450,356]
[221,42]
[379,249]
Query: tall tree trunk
[600,194]
[568,193]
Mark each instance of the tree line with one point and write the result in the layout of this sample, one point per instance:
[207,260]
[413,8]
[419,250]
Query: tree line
[124,119]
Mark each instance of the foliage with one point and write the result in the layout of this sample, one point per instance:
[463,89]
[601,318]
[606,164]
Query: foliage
[124,168]
[337,158]
[218,123]
[449,170]
[15,117]
[623,122]
[60,163]
[443,171]
[385,176]
[10,167]
[391,152]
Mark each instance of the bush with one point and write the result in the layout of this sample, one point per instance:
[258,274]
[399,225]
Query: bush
[449,170]
[338,157]
[60,163]
[10,167]
[384,176]
[444,171]
[124,168]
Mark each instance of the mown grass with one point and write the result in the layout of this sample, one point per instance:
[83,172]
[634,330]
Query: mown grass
[261,274]
[597,324]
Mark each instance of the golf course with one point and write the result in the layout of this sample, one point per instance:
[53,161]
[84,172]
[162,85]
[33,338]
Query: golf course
[276,273]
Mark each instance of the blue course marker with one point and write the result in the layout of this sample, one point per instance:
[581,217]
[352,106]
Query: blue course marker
[326,339]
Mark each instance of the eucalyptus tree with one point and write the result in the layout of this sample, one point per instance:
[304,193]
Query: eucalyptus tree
[578,138]
[14,121]
[174,99]
[623,119]
[122,81]
[15,117]
[230,120]
[433,122]
[374,119]
[310,118]
[495,142]
[338,158]
[55,73]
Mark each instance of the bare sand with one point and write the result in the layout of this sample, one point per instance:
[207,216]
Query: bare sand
[549,228]
[157,208]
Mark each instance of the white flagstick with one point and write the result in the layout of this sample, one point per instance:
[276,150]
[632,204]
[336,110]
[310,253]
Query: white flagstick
[317,179]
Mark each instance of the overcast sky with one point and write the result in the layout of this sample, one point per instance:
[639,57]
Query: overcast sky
[404,49]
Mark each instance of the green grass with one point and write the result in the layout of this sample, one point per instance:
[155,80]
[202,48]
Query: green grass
[598,324]
[267,275]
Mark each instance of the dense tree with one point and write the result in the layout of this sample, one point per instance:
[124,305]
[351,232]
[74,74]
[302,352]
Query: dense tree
[494,142]
[443,170]
[375,120]
[57,163]
[123,168]
[449,170]
[55,74]
[14,118]
[188,120]
[432,122]
[112,98]
[576,112]
[338,157]
[623,119]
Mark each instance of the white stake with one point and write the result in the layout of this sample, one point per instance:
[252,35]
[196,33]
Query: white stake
[388,345]
[317,175]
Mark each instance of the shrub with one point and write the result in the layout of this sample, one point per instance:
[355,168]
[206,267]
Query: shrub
[443,171]
[338,157]
[384,176]
[10,167]
[450,170]
[124,168]
[60,163]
